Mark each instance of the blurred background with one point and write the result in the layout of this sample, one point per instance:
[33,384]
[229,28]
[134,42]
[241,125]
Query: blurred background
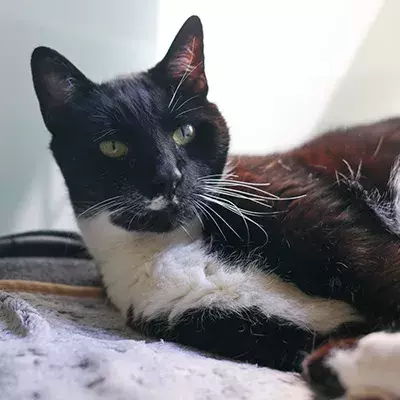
[280,71]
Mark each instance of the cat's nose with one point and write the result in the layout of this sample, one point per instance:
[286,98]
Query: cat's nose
[167,181]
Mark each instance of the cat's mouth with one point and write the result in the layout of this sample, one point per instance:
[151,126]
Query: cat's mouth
[158,215]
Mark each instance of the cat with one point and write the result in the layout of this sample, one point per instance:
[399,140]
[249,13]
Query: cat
[259,259]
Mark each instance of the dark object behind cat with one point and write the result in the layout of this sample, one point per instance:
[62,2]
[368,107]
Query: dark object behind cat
[269,272]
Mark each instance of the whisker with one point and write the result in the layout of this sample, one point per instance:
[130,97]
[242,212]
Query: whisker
[100,204]
[241,214]
[104,134]
[238,182]
[186,101]
[222,219]
[256,200]
[186,111]
[229,208]
[177,101]
[241,195]
[107,207]
[256,189]
[212,218]
[216,176]
[185,75]
[233,187]
[250,212]
[186,231]
[198,215]
[131,220]
[222,192]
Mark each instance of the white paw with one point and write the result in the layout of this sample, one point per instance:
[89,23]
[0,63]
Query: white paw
[357,370]
[372,367]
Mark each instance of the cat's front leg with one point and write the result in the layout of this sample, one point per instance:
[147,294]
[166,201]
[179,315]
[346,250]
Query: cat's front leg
[236,311]
[242,335]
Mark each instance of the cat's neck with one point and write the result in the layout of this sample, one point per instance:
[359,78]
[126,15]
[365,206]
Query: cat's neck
[105,240]
[127,260]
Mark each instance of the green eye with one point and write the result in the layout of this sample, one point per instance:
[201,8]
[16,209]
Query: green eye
[184,134]
[113,148]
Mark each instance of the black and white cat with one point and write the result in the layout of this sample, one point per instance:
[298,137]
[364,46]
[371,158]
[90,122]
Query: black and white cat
[194,252]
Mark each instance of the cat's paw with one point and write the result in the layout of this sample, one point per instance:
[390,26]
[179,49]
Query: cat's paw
[365,369]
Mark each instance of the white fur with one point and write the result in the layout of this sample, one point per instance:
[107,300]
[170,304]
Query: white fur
[171,273]
[177,173]
[388,210]
[394,187]
[158,203]
[371,368]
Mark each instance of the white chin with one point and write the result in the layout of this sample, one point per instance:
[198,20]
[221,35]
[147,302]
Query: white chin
[160,203]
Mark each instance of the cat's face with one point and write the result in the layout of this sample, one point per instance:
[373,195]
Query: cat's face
[138,146]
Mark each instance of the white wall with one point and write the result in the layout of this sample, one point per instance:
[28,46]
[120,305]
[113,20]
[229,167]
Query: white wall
[371,88]
[274,67]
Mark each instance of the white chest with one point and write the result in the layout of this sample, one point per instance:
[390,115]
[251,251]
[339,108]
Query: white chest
[168,274]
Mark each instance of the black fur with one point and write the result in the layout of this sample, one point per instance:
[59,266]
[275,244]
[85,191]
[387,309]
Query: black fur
[243,336]
[246,335]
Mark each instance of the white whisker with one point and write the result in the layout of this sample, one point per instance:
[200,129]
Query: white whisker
[108,132]
[131,220]
[198,215]
[222,180]
[232,209]
[186,101]
[177,101]
[256,189]
[212,218]
[241,195]
[187,111]
[185,75]
[104,203]
[248,212]
[107,207]
[216,176]
[219,216]
[239,211]
[186,231]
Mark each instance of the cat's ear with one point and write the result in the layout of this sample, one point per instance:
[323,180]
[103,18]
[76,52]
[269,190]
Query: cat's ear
[57,82]
[184,60]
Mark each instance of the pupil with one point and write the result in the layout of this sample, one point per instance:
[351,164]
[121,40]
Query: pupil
[114,147]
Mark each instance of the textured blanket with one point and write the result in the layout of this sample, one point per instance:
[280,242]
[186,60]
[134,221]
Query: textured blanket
[57,347]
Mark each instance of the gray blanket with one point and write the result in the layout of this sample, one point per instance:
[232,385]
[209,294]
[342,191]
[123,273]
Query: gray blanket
[56,348]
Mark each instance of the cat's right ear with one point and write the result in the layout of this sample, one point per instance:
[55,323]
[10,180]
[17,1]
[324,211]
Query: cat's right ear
[57,82]
[184,61]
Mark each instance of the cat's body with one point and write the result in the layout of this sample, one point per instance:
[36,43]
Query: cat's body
[260,262]
[316,242]
[172,286]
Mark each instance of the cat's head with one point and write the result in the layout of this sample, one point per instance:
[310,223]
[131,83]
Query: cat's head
[139,145]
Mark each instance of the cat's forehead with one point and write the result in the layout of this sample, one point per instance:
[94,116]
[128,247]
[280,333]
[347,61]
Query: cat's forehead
[130,98]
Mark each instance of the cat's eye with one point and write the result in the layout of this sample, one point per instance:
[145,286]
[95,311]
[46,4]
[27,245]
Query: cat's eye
[113,148]
[183,134]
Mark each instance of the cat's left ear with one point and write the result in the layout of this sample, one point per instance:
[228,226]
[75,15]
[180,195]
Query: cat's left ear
[58,83]
[184,61]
